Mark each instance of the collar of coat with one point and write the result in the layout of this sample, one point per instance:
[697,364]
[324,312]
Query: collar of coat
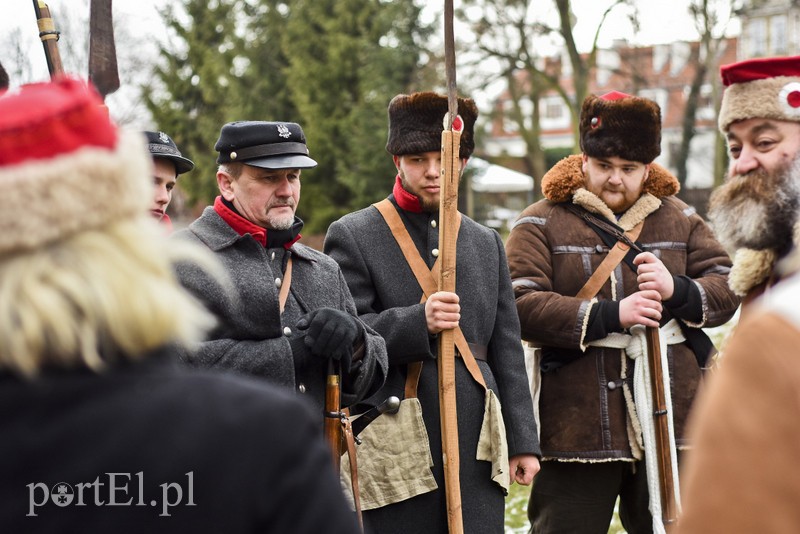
[217,235]
[268,239]
[753,267]
[565,182]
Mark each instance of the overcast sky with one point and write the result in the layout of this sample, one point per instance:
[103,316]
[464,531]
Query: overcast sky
[662,21]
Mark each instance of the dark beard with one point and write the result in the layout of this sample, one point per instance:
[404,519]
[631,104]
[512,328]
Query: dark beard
[757,210]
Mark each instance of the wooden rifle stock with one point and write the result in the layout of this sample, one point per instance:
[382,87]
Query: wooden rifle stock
[49,36]
[333,412]
[669,508]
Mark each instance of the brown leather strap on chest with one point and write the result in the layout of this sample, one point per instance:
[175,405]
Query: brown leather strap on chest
[604,270]
[426,278]
[287,281]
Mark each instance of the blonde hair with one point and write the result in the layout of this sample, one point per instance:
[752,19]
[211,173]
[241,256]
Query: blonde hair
[96,295]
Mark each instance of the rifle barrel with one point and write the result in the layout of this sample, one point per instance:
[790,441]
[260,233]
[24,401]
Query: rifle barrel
[669,509]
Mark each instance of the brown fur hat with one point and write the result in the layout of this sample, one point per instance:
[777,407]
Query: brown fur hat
[416,123]
[621,125]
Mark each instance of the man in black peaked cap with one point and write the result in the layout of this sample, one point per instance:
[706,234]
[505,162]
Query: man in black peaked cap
[293,310]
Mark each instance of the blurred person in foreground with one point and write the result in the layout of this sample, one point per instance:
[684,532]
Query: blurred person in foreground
[168,164]
[755,212]
[101,430]
[585,308]
[741,475]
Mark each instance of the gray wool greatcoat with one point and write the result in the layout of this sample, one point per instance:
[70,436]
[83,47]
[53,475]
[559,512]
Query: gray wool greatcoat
[253,337]
[552,252]
[387,296]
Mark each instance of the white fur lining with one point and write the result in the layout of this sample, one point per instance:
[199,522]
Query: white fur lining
[644,206]
[89,188]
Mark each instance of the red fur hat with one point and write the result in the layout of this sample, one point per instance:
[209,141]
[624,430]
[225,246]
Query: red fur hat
[767,88]
[64,166]
[416,124]
[620,125]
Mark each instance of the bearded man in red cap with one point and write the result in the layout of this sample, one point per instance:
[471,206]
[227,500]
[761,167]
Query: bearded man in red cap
[756,212]
[406,492]
[583,300]
[745,430]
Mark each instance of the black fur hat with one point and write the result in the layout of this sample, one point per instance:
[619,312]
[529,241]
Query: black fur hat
[416,123]
[621,125]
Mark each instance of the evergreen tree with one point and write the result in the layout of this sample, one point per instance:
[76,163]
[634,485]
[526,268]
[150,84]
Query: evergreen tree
[195,86]
[350,57]
[330,65]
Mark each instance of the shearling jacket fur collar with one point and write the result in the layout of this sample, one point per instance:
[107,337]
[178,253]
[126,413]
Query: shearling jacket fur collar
[566,181]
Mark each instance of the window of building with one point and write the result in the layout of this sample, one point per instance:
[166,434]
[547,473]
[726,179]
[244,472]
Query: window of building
[553,109]
[757,37]
[777,35]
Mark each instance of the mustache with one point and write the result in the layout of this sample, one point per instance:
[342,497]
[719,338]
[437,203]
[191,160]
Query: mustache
[282,203]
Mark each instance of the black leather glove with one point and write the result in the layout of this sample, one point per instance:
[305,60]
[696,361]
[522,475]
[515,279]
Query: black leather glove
[330,333]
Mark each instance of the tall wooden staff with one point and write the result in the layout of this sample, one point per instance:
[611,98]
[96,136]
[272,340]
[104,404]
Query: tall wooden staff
[669,508]
[49,36]
[448,216]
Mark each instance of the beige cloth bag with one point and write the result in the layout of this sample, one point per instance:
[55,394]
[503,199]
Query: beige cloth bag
[394,458]
[493,443]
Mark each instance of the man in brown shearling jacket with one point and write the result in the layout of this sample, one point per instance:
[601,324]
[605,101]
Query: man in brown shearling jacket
[595,431]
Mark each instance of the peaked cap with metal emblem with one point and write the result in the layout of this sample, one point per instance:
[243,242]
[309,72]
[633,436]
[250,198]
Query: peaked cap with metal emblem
[161,145]
[268,145]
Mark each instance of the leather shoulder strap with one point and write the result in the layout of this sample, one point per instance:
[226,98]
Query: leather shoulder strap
[425,277]
[604,270]
[287,281]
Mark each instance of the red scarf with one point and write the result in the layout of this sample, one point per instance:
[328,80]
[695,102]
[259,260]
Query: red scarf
[242,226]
[404,199]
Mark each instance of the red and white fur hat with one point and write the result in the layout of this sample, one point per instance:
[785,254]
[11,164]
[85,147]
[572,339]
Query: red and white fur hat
[766,88]
[64,166]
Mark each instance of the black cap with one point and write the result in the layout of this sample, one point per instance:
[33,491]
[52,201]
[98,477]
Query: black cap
[269,145]
[161,145]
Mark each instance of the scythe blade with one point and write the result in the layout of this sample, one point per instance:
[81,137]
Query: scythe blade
[102,51]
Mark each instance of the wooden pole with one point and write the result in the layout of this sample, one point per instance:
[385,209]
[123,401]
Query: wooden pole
[669,509]
[448,234]
[49,36]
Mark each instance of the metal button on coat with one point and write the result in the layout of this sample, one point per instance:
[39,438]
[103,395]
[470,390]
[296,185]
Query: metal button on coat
[287,331]
[435,252]
[277,282]
[433,223]
[612,385]
[301,388]
[272,256]
[599,248]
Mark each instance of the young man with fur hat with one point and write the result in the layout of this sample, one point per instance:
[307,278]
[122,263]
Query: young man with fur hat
[389,298]
[101,430]
[588,327]
[168,164]
[756,213]
[293,311]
